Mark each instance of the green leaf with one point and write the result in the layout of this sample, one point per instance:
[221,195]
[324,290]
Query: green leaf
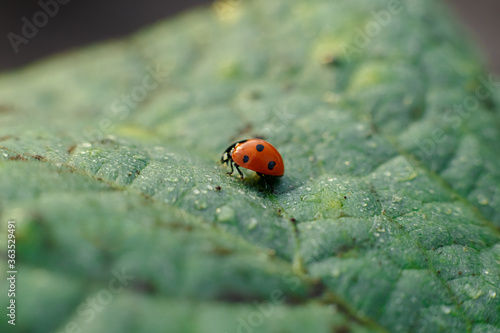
[387,218]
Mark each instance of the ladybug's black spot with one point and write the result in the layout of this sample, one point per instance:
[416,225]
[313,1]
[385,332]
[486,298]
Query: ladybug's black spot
[260,147]
[245,158]
[271,165]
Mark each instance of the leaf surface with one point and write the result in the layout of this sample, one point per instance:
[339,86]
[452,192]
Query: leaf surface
[387,218]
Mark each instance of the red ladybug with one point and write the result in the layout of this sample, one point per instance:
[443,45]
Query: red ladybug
[254,154]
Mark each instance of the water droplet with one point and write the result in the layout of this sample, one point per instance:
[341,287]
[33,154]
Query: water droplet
[196,191]
[225,214]
[446,309]
[396,198]
[253,223]
[492,294]
[170,189]
[472,292]
[200,205]
[310,198]
[484,201]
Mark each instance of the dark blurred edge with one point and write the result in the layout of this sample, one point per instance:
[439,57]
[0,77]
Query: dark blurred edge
[481,18]
[78,23]
[82,22]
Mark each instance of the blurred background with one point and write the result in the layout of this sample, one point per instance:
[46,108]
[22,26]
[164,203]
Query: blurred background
[81,22]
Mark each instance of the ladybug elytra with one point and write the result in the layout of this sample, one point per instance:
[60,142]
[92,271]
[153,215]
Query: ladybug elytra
[256,155]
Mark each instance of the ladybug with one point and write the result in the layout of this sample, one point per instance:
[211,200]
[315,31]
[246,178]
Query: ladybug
[254,154]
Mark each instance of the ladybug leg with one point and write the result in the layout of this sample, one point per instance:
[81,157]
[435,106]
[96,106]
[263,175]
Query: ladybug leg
[239,171]
[232,170]
[266,181]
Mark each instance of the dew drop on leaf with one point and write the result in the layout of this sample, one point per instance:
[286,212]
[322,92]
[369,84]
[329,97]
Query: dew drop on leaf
[446,309]
[200,205]
[253,223]
[225,213]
